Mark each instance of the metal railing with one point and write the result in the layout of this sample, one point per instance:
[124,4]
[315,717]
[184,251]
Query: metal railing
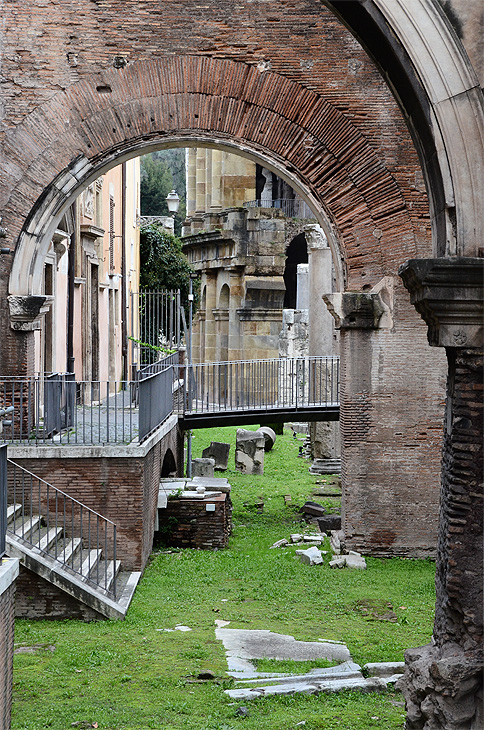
[47,520]
[291,208]
[155,324]
[273,384]
[155,388]
[90,412]
[3,499]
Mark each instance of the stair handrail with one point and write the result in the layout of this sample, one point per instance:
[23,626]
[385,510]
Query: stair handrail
[69,514]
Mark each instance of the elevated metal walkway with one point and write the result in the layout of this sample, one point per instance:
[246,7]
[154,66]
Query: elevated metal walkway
[260,391]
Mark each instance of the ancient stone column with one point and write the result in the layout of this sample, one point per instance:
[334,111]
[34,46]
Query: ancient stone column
[390,423]
[325,437]
[443,680]
[216,203]
[191,162]
[200,184]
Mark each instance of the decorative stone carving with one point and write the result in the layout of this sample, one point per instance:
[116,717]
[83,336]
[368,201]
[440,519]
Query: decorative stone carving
[315,236]
[26,310]
[355,310]
[448,294]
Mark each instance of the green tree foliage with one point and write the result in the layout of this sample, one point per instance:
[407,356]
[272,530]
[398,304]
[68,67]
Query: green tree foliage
[163,264]
[156,183]
[161,172]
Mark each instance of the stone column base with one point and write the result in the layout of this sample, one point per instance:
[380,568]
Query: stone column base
[443,688]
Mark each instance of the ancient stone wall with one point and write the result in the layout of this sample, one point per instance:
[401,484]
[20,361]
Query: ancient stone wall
[187,523]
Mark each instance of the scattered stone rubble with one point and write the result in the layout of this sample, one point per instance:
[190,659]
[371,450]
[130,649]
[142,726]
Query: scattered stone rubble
[242,646]
[314,556]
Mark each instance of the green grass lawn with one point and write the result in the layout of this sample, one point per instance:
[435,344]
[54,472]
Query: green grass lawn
[131,675]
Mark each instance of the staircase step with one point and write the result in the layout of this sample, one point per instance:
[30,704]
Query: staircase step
[67,551]
[49,539]
[25,529]
[13,511]
[90,562]
[107,571]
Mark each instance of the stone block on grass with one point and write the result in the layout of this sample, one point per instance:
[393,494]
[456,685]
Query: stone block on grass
[218,451]
[203,467]
[249,452]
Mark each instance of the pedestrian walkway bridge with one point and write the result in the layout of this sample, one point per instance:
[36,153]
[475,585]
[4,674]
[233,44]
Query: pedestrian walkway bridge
[261,391]
[58,409]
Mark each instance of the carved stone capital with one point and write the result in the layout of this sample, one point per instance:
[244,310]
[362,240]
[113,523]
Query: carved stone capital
[448,294]
[355,310]
[26,310]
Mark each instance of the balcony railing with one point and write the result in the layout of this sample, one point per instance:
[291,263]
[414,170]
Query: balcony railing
[266,385]
[60,410]
[291,208]
[56,525]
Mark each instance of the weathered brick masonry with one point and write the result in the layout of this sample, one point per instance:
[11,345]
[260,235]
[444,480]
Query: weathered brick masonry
[186,523]
[283,80]
[125,490]
[7,602]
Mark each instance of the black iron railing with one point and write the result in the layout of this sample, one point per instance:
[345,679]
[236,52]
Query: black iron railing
[273,384]
[56,525]
[3,498]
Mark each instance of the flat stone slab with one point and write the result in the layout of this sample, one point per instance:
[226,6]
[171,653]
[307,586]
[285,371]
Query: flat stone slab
[384,669]
[242,645]
[373,684]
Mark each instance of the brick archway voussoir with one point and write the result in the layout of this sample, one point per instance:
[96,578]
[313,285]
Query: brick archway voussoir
[180,97]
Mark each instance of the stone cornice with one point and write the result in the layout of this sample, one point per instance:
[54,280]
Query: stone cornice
[448,294]
[355,310]
[25,311]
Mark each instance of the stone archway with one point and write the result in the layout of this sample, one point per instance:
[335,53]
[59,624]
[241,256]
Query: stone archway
[103,96]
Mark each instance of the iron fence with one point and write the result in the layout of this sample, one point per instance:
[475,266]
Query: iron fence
[51,522]
[291,208]
[286,383]
[63,411]
[3,498]
[156,394]
[155,325]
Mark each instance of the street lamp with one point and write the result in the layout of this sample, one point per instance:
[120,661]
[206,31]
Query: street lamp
[191,297]
[173,202]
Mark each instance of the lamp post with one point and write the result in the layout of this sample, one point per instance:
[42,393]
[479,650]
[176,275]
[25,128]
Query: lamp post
[173,203]
[189,369]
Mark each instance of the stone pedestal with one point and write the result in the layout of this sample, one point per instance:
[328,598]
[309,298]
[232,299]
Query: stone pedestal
[249,454]
[443,682]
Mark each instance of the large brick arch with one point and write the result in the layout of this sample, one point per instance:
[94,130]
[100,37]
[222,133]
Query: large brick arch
[71,138]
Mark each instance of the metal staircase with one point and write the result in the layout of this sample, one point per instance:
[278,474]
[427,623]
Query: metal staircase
[66,543]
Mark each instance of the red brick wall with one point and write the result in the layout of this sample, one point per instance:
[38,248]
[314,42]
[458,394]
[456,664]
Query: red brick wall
[36,598]
[7,600]
[186,523]
[391,431]
[283,78]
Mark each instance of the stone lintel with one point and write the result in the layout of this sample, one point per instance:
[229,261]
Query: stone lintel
[26,310]
[448,294]
[90,231]
[355,310]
